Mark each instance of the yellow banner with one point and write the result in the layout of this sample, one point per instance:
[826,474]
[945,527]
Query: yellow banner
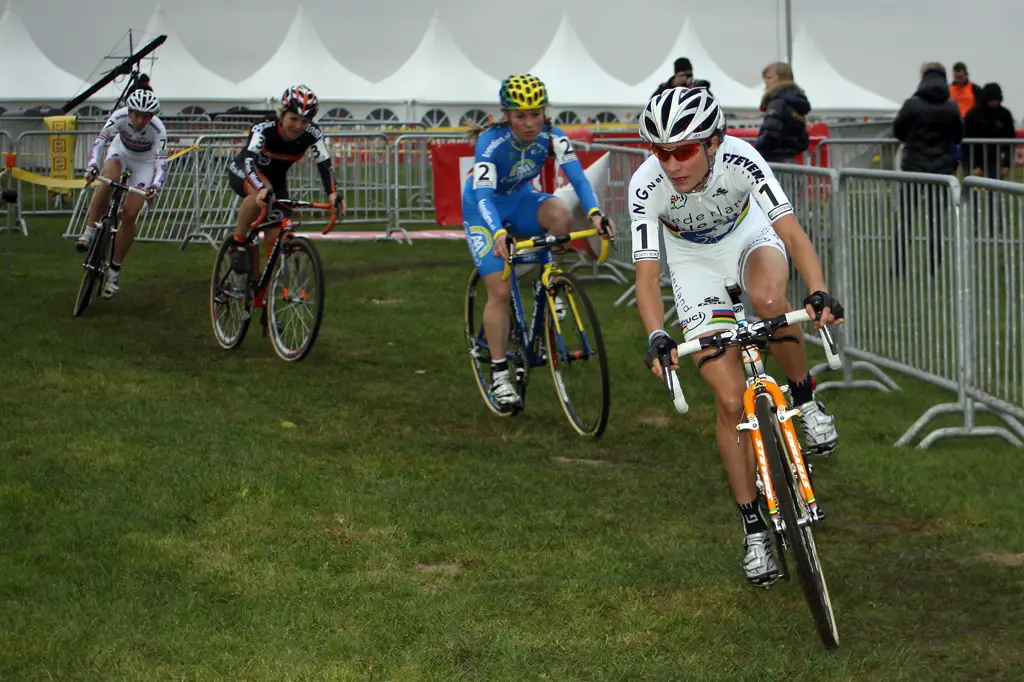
[62,148]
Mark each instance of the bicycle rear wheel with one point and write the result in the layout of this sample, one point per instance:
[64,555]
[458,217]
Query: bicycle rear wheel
[93,267]
[576,356]
[230,307]
[480,352]
[295,302]
[799,533]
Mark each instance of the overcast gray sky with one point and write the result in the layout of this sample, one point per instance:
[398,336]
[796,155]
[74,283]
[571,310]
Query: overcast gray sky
[879,44]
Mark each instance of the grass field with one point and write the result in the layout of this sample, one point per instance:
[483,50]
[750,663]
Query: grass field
[172,511]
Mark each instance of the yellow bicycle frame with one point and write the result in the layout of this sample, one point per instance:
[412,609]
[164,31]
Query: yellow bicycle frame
[551,269]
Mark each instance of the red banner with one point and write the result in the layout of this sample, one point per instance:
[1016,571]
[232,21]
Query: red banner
[453,163]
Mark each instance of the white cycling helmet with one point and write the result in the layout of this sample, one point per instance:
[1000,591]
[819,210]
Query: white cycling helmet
[681,115]
[144,101]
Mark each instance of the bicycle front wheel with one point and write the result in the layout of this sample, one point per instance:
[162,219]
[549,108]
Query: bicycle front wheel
[797,519]
[93,267]
[230,309]
[295,305]
[576,356]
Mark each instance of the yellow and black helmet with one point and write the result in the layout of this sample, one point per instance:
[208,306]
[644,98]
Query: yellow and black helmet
[523,91]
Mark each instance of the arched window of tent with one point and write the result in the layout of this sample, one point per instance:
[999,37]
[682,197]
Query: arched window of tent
[567,118]
[474,117]
[606,117]
[382,114]
[237,110]
[435,118]
[90,111]
[193,110]
[339,112]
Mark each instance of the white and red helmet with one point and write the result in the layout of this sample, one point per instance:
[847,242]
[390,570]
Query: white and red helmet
[301,100]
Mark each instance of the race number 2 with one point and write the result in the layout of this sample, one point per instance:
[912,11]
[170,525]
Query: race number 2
[484,175]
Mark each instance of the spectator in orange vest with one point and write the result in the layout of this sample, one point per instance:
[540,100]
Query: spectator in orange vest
[962,91]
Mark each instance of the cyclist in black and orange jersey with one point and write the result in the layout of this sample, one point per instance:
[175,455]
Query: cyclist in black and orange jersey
[259,172]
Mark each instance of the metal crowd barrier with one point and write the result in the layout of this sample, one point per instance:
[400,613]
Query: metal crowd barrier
[413,179]
[992,214]
[901,271]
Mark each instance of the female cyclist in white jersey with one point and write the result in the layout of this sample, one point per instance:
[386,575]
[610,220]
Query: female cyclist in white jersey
[724,216]
[138,144]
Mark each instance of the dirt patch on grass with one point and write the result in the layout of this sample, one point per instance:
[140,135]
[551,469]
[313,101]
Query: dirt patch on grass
[587,462]
[448,568]
[1002,559]
[335,529]
[658,421]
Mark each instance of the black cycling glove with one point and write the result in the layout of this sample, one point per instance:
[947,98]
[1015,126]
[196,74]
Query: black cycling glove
[820,300]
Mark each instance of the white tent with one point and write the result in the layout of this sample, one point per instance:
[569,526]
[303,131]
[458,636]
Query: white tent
[826,88]
[729,93]
[178,76]
[303,52]
[438,72]
[574,79]
[26,74]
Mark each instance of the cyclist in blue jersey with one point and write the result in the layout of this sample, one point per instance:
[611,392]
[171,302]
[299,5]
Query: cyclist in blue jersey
[509,154]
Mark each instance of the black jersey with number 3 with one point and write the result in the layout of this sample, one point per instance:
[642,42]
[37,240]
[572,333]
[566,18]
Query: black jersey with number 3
[268,153]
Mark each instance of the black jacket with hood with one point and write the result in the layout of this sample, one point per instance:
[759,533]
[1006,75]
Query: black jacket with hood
[930,127]
[783,133]
[983,121]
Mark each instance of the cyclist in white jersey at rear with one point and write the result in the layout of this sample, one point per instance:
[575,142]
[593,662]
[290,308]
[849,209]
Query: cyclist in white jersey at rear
[724,215]
[140,147]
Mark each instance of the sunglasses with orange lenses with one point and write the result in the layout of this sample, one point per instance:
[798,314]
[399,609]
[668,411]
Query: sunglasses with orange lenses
[683,152]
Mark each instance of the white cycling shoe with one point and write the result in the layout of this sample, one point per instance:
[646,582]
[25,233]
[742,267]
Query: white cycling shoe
[504,391]
[820,435]
[758,563]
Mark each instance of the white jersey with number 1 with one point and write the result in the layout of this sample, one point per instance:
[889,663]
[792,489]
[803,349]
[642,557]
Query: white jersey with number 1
[709,235]
[140,151]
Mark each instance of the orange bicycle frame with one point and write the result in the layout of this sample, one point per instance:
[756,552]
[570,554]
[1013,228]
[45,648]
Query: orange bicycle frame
[758,387]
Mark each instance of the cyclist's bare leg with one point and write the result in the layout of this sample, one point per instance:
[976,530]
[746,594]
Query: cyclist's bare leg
[496,315]
[725,376]
[133,203]
[767,277]
[556,218]
[101,195]
[248,212]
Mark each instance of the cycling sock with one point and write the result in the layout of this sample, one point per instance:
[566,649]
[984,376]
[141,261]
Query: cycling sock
[498,367]
[753,521]
[802,391]
[239,240]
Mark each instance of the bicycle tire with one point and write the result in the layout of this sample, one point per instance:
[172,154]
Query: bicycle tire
[93,261]
[217,281]
[573,289]
[481,365]
[800,537]
[294,245]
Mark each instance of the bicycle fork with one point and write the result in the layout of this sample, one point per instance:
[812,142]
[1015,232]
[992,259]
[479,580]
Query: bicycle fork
[784,415]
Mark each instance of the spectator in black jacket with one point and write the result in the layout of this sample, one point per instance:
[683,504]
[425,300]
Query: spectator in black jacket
[682,78]
[989,119]
[783,134]
[929,126]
